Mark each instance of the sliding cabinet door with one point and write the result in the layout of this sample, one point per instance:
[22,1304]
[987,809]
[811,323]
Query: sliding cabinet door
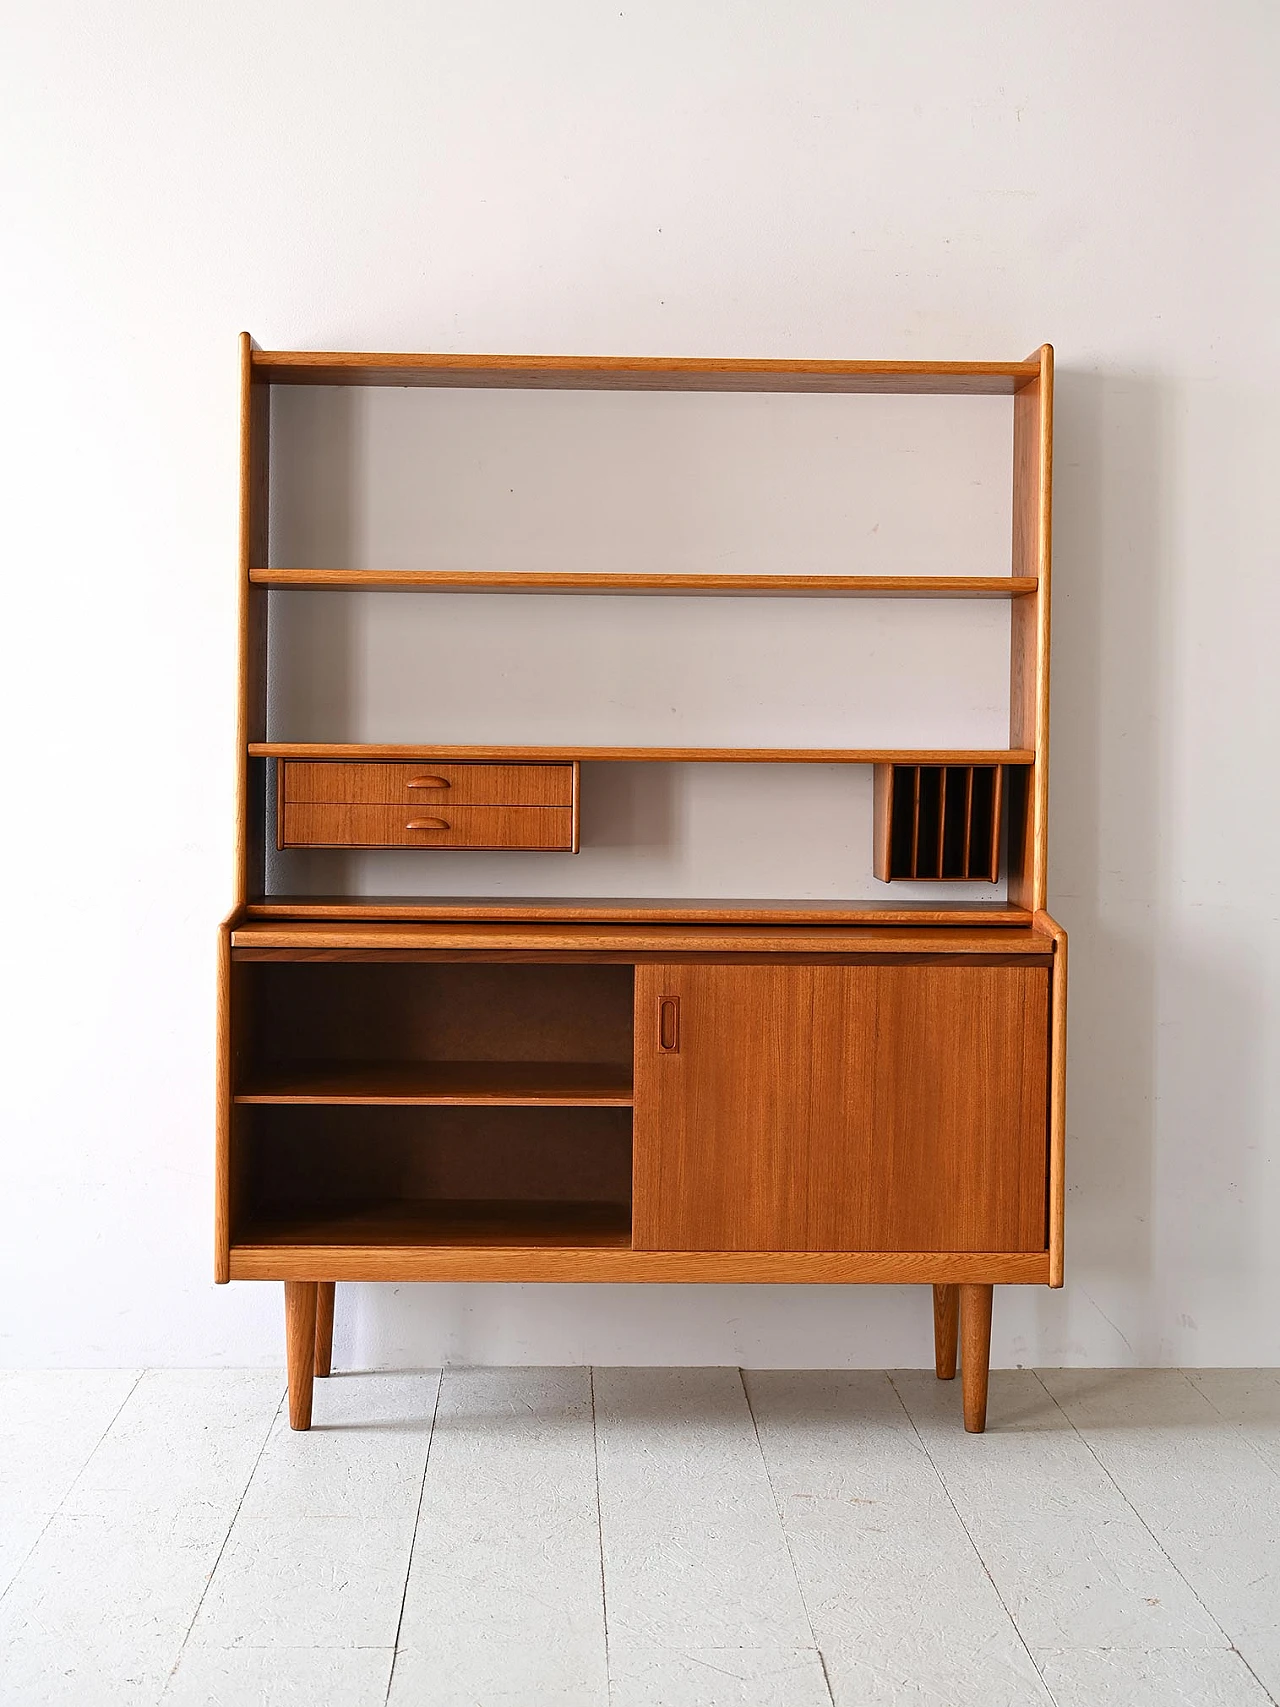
[840,1108]
[722,1108]
[929,1108]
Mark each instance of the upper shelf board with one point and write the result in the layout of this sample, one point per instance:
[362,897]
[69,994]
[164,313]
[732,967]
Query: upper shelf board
[571,581]
[641,373]
[648,755]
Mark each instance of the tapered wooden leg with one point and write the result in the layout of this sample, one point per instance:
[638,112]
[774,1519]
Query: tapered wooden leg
[946,1325]
[324,1326]
[300,1347]
[975,1354]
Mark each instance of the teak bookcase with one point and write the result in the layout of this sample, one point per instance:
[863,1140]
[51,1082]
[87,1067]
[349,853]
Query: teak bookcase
[549,1090]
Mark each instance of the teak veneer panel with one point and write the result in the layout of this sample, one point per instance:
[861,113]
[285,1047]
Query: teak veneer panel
[637,910]
[605,582]
[308,937]
[648,755]
[449,1084]
[380,783]
[639,373]
[432,822]
[824,1108]
[354,1258]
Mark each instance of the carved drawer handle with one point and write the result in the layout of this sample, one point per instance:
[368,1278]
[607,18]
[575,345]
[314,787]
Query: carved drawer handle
[427,782]
[427,824]
[668,1025]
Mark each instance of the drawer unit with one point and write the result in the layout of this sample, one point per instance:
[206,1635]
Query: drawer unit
[429,823]
[424,782]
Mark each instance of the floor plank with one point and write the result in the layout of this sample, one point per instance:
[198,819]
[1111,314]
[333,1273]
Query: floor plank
[318,1554]
[1248,1399]
[281,1677]
[99,1611]
[1071,1560]
[901,1607]
[97,1615]
[1198,1485]
[702,1602]
[1083,1677]
[363,1456]
[50,1422]
[503,1602]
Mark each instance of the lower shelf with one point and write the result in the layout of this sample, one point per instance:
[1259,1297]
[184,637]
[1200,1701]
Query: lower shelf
[458,1224]
[406,1240]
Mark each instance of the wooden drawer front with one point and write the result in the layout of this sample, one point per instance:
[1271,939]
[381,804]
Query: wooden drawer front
[431,824]
[424,784]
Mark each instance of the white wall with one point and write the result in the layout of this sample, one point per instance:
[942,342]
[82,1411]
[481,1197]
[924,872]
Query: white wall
[809,178]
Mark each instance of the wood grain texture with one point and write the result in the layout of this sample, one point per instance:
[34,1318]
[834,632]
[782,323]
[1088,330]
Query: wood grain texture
[423,784]
[431,824]
[648,755]
[1057,1102]
[251,690]
[679,585]
[325,1298]
[443,1084]
[946,1329]
[882,822]
[975,1353]
[1030,632]
[636,910]
[639,373]
[363,1257]
[300,1348]
[936,1139]
[465,936]
[721,1121]
[897,1108]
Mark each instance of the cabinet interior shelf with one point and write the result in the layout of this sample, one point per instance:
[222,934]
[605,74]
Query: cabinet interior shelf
[464,1224]
[450,1084]
[638,373]
[647,755]
[572,581]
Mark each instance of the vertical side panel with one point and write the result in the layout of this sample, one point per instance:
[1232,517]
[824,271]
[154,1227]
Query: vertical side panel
[1057,1102]
[1029,634]
[721,1121]
[883,822]
[251,710]
[224,1112]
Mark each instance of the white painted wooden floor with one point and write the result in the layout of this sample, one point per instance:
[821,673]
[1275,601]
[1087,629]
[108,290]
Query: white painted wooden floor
[641,1538]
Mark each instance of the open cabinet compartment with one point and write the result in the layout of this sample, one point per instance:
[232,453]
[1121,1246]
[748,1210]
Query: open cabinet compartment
[432,1103]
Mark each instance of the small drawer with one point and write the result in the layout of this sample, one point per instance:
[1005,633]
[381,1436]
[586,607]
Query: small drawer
[380,783]
[430,823]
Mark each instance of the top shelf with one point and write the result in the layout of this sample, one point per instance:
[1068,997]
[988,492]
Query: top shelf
[571,581]
[642,373]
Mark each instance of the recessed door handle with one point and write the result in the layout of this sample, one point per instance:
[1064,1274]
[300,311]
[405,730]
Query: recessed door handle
[427,782]
[427,824]
[668,1025]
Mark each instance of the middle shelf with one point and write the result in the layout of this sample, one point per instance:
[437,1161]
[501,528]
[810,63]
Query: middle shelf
[573,581]
[444,1084]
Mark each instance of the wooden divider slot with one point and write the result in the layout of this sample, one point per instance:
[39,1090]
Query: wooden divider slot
[938,823]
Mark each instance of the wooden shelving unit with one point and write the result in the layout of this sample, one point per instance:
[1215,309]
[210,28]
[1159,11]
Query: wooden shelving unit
[674,1090]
